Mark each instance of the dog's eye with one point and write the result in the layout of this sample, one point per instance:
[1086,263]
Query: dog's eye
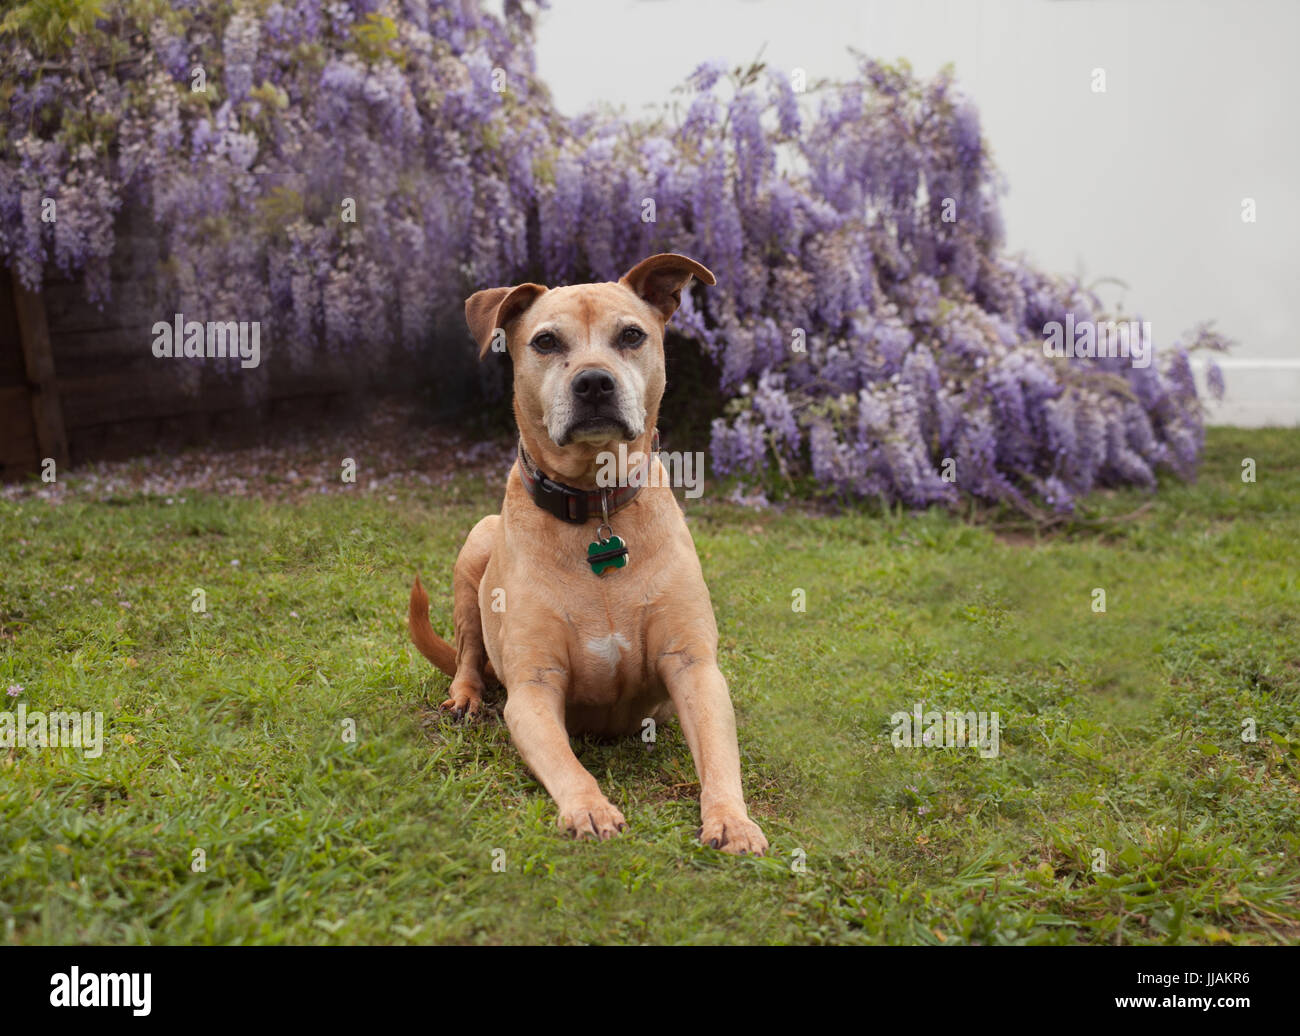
[545,342]
[631,337]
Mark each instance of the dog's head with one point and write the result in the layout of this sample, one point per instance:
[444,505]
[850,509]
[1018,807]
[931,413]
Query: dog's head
[588,359]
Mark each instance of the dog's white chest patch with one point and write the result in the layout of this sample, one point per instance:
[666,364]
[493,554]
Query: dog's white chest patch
[608,649]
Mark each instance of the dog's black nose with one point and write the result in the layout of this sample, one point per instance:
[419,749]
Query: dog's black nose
[593,385]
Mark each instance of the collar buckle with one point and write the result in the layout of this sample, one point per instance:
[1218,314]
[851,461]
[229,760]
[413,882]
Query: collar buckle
[566,503]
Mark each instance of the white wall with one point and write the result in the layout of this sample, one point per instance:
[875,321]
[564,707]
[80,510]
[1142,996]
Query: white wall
[1143,182]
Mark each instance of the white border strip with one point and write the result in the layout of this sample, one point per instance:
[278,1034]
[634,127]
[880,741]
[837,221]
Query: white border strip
[1257,393]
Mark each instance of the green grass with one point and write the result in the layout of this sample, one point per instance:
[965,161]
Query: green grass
[1120,731]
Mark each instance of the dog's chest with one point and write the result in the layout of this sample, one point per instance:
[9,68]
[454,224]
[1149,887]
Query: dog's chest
[596,623]
[608,664]
[604,655]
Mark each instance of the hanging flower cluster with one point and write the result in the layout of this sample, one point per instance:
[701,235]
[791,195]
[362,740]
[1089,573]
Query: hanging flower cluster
[873,336]
[337,170]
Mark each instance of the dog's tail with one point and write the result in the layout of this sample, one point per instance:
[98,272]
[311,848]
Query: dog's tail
[431,646]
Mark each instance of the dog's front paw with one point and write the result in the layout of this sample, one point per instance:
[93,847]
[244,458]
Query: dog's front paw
[462,700]
[733,832]
[592,818]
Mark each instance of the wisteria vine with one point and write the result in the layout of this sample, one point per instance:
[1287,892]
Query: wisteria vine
[871,335]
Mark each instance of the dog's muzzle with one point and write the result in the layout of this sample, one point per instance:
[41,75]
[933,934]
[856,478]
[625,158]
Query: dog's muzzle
[596,412]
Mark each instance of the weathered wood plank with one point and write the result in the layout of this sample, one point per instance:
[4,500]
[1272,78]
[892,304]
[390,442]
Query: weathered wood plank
[34,333]
[13,371]
[106,348]
[17,437]
[141,391]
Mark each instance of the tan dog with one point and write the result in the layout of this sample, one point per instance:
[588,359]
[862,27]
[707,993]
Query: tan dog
[581,652]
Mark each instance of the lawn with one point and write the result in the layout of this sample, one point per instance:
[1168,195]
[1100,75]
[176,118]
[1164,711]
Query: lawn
[227,730]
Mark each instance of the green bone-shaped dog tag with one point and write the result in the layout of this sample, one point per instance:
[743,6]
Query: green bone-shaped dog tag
[612,553]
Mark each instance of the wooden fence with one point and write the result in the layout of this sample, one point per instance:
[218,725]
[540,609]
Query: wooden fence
[80,384]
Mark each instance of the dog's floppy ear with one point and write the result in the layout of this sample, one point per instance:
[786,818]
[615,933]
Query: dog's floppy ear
[660,280]
[493,308]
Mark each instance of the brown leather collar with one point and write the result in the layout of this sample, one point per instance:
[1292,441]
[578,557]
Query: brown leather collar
[572,505]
